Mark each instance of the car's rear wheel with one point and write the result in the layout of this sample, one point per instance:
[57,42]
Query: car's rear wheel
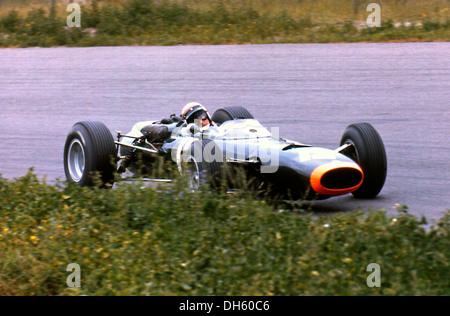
[231,113]
[89,149]
[368,151]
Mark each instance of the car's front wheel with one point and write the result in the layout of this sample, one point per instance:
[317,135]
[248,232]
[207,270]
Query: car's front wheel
[202,163]
[367,150]
[89,149]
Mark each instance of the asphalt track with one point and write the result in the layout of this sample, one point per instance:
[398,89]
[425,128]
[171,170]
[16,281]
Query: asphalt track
[311,92]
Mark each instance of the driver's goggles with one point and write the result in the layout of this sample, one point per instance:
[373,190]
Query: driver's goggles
[200,116]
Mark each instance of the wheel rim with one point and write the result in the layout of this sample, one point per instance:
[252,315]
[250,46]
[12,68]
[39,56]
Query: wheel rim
[193,172]
[76,160]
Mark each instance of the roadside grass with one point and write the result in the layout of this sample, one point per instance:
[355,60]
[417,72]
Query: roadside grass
[137,240]
[147,22]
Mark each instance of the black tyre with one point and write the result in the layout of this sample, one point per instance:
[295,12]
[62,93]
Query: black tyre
[202,163]
[368,152]
[231,113]
[89,149]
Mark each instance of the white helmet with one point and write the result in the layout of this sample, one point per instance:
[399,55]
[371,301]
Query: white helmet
[190,109]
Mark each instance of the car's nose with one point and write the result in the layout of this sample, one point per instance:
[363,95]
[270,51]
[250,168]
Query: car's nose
[336,178]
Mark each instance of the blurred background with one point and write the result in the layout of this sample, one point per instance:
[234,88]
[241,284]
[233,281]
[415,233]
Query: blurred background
[26,23]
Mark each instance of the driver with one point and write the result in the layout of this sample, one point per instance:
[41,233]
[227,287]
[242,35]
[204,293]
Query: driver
[195,112]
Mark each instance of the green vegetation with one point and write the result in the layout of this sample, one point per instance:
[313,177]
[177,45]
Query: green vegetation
[169,241]
[148,22]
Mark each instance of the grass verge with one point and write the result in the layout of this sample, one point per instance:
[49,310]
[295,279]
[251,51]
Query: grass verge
[147,22]
[151,241]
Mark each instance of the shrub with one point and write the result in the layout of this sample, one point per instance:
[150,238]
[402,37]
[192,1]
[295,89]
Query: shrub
[148,22]
[137,240]
[11,22]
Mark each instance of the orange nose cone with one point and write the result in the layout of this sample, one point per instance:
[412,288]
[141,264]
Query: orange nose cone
[337,178]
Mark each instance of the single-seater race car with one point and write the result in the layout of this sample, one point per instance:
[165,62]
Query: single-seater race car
[285,169]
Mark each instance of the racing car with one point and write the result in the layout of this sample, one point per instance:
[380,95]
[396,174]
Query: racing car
[285,169]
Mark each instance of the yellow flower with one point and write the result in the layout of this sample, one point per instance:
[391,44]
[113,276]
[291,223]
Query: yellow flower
[5,230]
